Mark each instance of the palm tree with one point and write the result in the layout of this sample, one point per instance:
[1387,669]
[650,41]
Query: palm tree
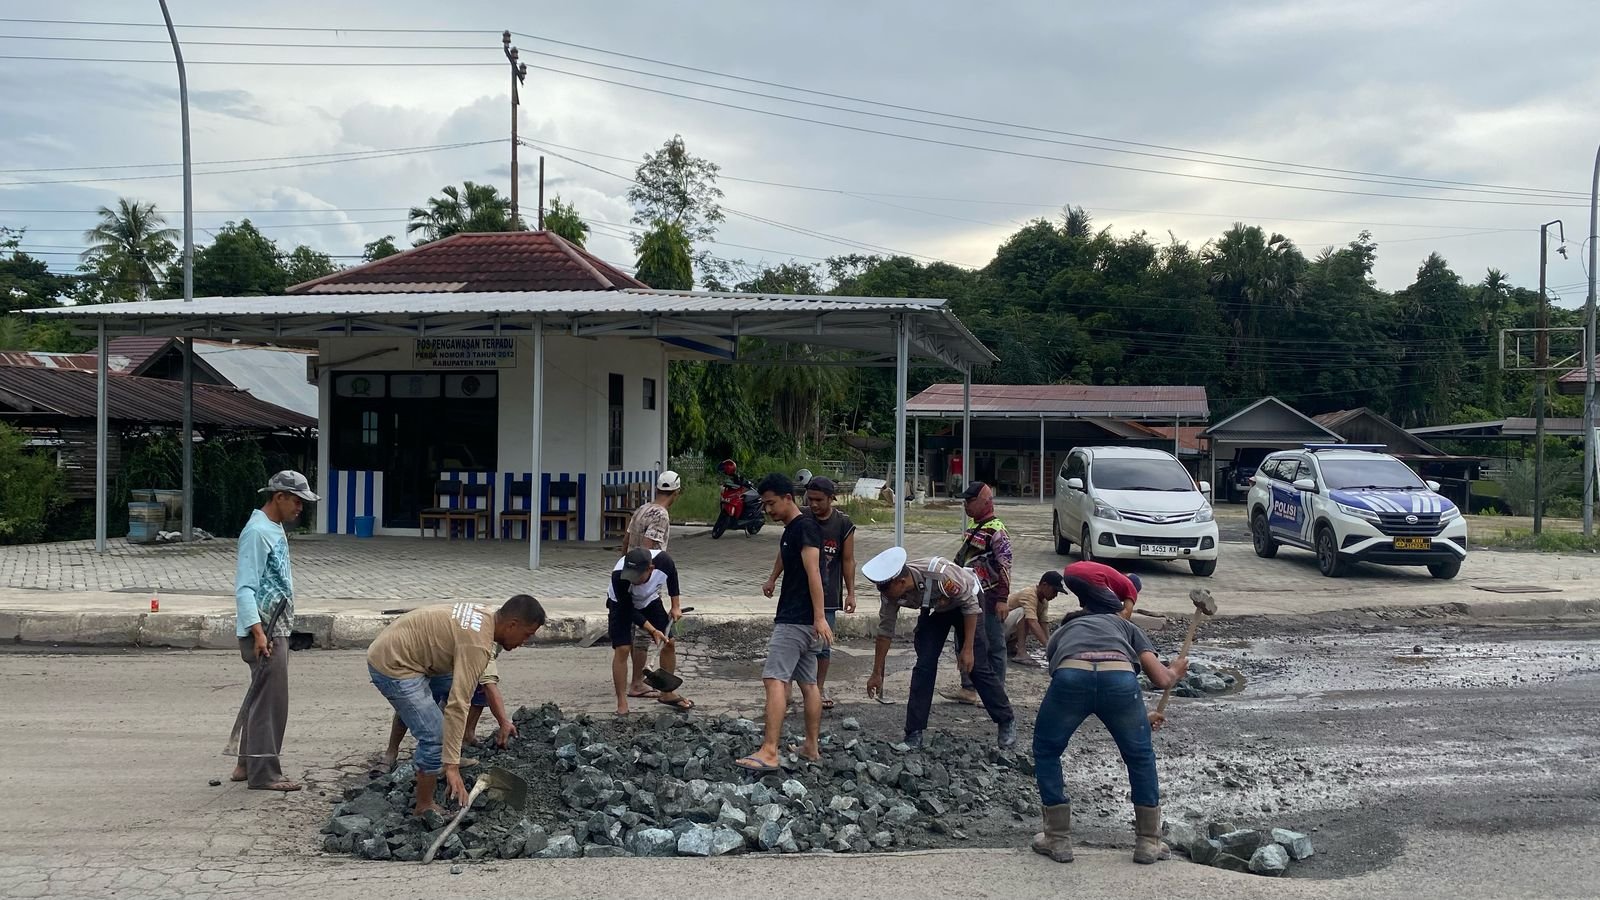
[472,207]
[1253,276]
[130,247]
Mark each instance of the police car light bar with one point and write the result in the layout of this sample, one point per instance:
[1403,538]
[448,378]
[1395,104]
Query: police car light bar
[1371,448]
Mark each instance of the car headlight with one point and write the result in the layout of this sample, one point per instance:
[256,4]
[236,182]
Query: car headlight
[1102,511]
[1358,512]
[1205,514]
[1450,515]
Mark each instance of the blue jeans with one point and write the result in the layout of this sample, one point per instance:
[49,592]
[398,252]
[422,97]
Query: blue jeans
[417,702]
[1114,697]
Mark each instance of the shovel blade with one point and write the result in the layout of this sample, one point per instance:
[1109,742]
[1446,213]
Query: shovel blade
[663,681]
[507,786]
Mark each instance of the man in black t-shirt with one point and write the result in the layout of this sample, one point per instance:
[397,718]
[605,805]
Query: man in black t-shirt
[838,565]
[799,629]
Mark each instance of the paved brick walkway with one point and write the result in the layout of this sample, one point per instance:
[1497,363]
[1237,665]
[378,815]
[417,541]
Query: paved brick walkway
[339,573]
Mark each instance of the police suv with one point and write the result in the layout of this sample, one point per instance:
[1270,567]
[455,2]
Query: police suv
[1350,503]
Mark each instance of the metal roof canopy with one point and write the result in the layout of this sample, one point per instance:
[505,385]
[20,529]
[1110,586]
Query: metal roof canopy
[935,336]
[1063,401]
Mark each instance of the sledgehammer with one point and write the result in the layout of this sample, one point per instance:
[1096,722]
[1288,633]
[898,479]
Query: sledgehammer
[1204,605]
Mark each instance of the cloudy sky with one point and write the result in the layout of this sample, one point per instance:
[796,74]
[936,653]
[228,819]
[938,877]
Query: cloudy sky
[1457,126]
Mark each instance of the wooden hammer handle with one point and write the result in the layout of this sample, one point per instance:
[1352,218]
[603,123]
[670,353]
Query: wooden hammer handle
[480,787]
[1188,641]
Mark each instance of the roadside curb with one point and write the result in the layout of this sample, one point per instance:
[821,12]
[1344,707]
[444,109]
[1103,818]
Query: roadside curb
[335,631]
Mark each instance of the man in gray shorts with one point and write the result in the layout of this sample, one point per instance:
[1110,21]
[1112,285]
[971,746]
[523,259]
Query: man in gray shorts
[799,628]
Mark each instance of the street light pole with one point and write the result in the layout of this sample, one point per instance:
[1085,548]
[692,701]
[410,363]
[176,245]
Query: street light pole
[188,281]
[1588,356]
[1540,364]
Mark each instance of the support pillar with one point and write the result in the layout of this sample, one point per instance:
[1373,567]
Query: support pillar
[968,464]
[536,446]
[1041,459]
[188,439]
[902,351]
[100,438]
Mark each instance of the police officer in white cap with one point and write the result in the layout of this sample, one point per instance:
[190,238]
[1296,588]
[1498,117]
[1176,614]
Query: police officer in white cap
[946,597]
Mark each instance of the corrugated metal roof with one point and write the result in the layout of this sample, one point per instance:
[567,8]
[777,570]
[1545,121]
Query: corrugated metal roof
[129,352]
[474,262]
[275,375]
[1066,401]
[1529,427]
[130,398]
[83,362]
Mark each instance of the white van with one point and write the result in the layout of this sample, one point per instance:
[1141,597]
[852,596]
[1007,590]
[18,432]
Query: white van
[1132,503]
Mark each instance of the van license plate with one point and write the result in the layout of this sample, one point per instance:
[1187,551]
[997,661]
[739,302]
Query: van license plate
[1413,543]
[1158,550]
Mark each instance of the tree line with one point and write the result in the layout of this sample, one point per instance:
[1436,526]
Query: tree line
[1246,314]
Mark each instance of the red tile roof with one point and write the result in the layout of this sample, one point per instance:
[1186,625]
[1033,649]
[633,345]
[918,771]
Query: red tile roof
[131,398]
[473,262]
[1068,400]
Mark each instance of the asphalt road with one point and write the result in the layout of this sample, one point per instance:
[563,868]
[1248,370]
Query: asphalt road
[1469,772]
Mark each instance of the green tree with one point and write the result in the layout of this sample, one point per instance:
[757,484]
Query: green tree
[379,248]
[129,249]
[303,264]
[800,385]
[562,219]
[1255,279]
[469,208]
[239,262]
[1429,325]
[664,261]
[678,188]
[26,282]
[29,489]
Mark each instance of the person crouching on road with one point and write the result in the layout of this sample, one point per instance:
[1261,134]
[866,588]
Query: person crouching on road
[1093,660]
[487,694]
[947,596]
[799,629]
[634,601]
[1026,612]
[444,650]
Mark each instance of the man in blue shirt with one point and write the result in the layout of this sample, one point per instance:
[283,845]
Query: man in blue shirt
[264,592]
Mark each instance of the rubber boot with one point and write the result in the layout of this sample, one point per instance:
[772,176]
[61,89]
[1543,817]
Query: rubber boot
[1147,845]
[1056,839]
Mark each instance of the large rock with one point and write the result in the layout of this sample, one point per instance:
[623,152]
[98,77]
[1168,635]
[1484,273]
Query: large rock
[1180,835]
[372,805]
[703,840]
[563,847]
[900,815]
[350,824]
[1298,845]
[653,842]
[849,839]
[602,851]
[732,816]
[770,812]
[1241,843]
[1271,859]
[794,790]
[1204,850]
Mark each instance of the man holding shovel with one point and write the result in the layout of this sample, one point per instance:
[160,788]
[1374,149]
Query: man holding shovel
[634,601]
[441,652]
[264,593]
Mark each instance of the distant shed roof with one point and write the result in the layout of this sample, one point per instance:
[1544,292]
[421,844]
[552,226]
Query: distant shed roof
[479,261]
[130,398]
[1064,401]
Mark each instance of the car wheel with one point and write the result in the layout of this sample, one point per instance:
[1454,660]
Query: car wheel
[1328,561]
[1085,548]
[1063,546]
[1261,536]
[1445,570]
[1203,567]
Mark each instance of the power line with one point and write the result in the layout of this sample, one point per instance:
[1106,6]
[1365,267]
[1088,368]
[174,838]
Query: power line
[797,89]
[298,165]
[255,159]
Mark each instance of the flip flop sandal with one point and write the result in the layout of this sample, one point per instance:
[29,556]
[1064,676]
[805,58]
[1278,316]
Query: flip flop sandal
[647,695]
[282,786]
[795,749]
[682,703]
[827,703]
[759,766]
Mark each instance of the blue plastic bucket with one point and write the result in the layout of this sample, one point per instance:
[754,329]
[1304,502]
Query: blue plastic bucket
[364,526]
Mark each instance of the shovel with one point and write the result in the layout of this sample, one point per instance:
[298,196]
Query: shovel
[507,786]
[665,682]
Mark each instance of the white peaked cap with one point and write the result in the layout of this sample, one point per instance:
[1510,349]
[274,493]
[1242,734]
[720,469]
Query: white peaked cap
[885,566]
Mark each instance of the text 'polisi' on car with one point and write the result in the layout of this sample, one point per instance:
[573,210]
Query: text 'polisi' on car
[1133,503]
[1351,503]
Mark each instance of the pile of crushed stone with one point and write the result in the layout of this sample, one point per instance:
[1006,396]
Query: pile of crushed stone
[666,785]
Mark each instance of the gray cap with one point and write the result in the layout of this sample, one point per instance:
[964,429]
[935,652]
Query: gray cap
[635,564]
[290,482]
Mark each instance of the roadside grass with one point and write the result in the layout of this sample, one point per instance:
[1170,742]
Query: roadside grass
[1551,541]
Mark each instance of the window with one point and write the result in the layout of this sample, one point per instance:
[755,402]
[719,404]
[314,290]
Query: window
[1377,472]
[1076,467]
[649,393]
[1272,468]
[614,429]
[369,428]
[1139,474]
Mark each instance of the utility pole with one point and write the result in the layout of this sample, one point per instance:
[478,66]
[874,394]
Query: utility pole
[1588,357]
[541,192]
[188,283]
[519,74]
[1540,364]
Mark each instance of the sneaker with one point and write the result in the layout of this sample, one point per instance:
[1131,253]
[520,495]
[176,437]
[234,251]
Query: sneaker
[1008,735]
[914,740]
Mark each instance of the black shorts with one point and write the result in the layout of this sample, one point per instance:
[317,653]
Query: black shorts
[619,620]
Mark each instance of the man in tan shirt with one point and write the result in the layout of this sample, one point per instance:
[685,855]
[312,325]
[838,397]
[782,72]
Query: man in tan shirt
[1026,613]
[439,653]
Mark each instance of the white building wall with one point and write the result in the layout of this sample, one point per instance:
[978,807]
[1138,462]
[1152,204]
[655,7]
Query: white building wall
[576,415]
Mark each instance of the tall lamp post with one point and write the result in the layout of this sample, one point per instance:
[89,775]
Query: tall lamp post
[188,283]
[1588,357]
[1540,364]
